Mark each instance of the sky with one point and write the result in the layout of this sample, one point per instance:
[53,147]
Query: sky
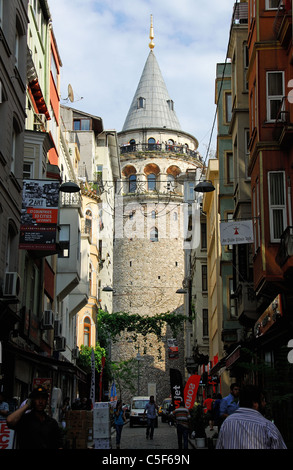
[104,44]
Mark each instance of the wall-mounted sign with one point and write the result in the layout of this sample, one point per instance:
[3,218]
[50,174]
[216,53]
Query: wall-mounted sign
[39,215]
[269,317]
[236,232]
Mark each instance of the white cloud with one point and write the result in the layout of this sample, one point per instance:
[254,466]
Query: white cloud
[103,46]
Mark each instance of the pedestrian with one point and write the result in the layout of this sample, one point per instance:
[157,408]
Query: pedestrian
[216,409]
[230,403]
[170,410]
[119,421]
[150,411]
[65,408]
[208,404]
[247,428]
[35,430]
[4,407]
[182,419]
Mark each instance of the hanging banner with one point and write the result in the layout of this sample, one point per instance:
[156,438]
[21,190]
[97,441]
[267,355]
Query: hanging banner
[236,233]
[101,377]
[93,378]
[176,387]
[39,215]
[190,390]
[113,394]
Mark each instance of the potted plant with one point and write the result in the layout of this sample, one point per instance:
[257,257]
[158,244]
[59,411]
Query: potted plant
[198,425]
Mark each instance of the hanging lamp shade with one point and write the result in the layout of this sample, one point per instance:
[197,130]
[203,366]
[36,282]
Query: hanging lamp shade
[69,187]
[204,187]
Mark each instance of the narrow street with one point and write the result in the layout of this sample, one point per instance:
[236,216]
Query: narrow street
[165,437]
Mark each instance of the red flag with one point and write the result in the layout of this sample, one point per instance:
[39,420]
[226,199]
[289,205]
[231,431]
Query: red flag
[190,390]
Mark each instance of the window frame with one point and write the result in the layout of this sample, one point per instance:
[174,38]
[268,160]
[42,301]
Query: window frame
[87,331]
[277,207]
[271,98]
[268,7]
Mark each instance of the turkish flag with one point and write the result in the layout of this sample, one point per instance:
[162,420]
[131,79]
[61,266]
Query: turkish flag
[190,390]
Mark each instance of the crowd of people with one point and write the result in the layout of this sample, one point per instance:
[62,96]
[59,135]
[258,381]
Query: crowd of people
[239,418]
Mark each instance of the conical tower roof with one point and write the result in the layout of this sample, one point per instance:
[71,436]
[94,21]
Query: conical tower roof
[151,105]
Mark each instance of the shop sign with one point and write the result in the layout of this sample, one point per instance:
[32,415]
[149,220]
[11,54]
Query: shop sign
[269,317]
[236,233]
[6,436]
[39,215]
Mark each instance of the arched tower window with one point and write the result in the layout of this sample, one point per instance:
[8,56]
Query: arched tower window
[151,144]
[132,183]
[140,102]
[154,235]
[87,331]
[151,182]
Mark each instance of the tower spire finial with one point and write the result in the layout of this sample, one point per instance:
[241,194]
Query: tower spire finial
[151,44]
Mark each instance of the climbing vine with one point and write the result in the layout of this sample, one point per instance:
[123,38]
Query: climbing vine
[113,324]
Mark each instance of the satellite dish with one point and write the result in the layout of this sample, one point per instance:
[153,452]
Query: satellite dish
[70,93]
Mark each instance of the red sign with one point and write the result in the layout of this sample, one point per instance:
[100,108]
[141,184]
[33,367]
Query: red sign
[6,436]
[190,390]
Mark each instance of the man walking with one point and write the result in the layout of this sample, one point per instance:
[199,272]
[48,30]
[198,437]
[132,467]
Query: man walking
[247,428]
[182,418]
[150,411]
[230,403]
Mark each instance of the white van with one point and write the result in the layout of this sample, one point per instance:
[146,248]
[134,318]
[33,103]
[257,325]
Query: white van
[137,406]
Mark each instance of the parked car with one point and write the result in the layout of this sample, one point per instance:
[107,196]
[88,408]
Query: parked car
[137,407]
[165,409]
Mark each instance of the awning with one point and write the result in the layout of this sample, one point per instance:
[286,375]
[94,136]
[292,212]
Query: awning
[65,365]
[217,367]
[233,357]
[38,97]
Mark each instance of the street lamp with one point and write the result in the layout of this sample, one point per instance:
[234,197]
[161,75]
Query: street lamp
[108,289]
[181,291]
[205,186]
[69,187]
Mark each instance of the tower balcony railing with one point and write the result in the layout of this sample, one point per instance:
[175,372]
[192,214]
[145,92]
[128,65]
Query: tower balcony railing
[159,147]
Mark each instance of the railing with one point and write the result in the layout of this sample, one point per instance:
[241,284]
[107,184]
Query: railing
[70,200]
[240,15]
[152,147]
[285,6]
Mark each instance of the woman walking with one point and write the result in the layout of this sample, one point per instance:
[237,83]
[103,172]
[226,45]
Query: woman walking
[119,420]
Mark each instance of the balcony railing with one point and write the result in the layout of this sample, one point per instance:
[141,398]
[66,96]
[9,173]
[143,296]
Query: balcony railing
[70,200]
[152,147]
[283,20]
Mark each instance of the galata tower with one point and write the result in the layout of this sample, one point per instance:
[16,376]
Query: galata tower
[150,231]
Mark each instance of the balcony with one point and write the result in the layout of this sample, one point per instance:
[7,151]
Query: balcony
[156,147]
[283,23]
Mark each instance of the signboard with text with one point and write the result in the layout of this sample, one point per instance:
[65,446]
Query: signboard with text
[236,233]
[39,215]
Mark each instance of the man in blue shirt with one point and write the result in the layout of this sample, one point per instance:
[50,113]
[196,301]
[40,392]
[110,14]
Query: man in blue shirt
[230,403]
[150,411]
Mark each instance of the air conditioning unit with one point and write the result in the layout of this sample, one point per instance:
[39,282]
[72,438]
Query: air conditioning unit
[11,285]
[75,353]
[57,329]
[48,320]
[60,344]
